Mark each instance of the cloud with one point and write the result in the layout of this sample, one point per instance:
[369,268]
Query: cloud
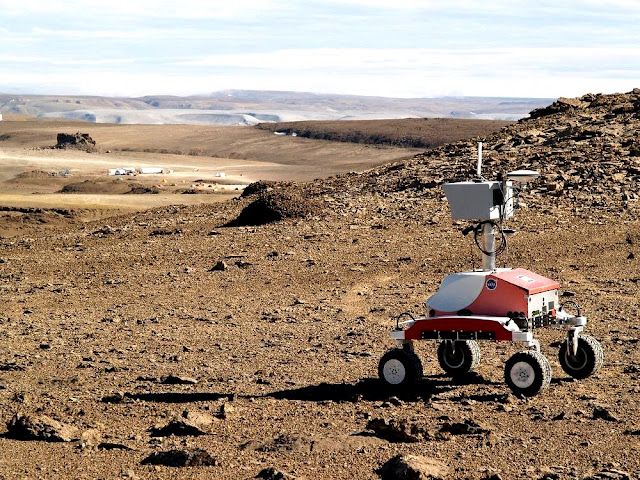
[377,47]
[501,7]
[97,34]
[62,61]
[533,72]
[184,9]
[445,61]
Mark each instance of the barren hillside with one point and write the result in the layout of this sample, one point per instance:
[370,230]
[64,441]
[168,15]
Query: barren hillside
[424,133]
[253,349]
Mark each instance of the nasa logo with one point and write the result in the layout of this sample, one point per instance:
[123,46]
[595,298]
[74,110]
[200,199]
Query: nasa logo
[491,284]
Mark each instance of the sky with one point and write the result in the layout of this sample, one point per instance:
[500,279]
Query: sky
[392,48]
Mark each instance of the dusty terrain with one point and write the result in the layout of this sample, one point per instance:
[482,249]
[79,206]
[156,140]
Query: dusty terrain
[277,347]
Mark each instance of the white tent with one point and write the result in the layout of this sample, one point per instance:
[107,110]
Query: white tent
[151,170]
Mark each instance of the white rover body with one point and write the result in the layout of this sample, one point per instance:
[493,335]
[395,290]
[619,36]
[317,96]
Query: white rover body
[497,304]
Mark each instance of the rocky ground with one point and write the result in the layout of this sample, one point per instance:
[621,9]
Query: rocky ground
[183,343]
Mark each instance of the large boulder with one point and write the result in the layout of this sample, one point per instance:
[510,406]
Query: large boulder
[81,141]
[413,467]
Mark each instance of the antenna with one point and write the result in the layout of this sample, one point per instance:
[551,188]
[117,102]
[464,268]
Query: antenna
[479,167]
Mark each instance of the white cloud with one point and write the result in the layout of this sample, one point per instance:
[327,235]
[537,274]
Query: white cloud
[493,77]
[497,7]
[63,61]
[184,9]
[104,34]
[433,60]
[194,46]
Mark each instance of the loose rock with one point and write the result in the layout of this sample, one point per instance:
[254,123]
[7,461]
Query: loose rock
[221,266]
[181,458]
[610,474]
[117,397]
[271,473]
[398,431]
[468,427]
[413,467]
[23,427]
[176,380]
[226,410]
[601,413]
[189,424]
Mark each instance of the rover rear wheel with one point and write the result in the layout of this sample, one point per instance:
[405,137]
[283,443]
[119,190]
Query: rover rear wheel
[400,368]
[527,373]
[588,359]
[457,357]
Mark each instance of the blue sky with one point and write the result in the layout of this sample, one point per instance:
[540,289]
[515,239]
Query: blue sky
[397,48]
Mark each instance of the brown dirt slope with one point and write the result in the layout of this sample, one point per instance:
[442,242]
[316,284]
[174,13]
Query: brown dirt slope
[235,143]
[408,132]
[119,330]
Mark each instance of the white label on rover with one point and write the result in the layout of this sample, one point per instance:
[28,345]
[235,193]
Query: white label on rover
[526,279]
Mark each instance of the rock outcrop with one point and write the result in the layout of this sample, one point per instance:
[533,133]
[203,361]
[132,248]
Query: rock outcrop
[586,149]
[80,141]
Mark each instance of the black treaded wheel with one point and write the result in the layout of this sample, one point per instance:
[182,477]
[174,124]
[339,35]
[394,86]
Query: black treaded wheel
[400,368]
[458,357]
[586,362]
[527,373]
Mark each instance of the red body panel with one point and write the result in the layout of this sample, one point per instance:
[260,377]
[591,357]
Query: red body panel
[458,324]
[529,281]
[505,298]
[509,293]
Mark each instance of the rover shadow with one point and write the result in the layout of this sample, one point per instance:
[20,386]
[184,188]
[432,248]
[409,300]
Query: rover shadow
[484,398]
[469,378]
[566,379]
[368,389]
[178,397]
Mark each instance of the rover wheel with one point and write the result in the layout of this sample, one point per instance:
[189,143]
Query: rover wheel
[527,373]
[458,357]
[588,359]
[400,368]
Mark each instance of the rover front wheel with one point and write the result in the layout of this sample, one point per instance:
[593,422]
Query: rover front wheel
[457,357]
[587,360]
[527,373]
[400,368]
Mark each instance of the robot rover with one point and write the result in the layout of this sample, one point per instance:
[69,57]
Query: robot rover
[495,304]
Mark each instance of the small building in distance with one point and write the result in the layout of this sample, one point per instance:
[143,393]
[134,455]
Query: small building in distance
[122,171]
[151,170]
[0,117]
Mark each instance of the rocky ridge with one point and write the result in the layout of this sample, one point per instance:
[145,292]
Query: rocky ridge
[587,150]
